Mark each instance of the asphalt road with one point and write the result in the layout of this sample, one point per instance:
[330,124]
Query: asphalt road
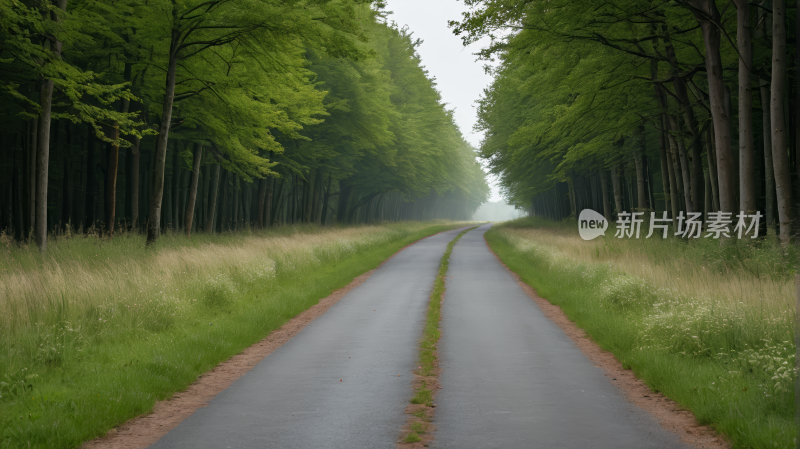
[294,397]
[512,379]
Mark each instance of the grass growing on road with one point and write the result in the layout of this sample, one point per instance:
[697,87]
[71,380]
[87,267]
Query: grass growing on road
[423,394]
[709,326]
[95,332]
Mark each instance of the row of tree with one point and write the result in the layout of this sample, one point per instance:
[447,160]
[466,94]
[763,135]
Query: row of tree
[217,115]
[683,105]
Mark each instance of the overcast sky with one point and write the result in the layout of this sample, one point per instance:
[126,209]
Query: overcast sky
[459,76]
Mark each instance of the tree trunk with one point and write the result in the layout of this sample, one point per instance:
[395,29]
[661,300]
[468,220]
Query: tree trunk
[66,197]
[176,183]
[696,178]
[640,174]
[711,154]
[747,185]
[683,163]
[780,157]
[111,181]
[33,149]
[604,190]
[664,176]
[156,196]
[270,183]
[708,17]
[324,213]
[198,154]
[617,190]
[262,196]
[212,197]
[345,188]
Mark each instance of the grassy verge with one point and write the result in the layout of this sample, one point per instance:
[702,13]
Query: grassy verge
[91,336]
[428,365]
[708,326]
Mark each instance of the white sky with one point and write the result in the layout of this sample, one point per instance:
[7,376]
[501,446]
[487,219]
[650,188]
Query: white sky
[460,77]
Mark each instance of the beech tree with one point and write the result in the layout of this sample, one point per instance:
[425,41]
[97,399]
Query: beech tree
[577,81]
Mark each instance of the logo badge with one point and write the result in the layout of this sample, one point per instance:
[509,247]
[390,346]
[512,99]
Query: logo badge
[591,224]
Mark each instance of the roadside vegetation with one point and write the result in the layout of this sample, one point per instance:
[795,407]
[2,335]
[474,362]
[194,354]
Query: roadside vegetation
[97,330]
[708,325]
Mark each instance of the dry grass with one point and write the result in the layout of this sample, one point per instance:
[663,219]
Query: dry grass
[673,271]
[28,293]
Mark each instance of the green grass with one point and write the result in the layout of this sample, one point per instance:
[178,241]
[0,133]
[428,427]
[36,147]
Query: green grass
[77,369]
[729,364]
[412,437]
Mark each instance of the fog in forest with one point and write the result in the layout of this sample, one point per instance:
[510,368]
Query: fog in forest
[497,211]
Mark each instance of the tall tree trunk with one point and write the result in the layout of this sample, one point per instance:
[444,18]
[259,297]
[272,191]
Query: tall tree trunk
[43,153]
[679,83]
[270,183]
[33,150]
[747,184]
[132,181]
[640,174]
[664,176]
[198,154]
[604,190]
[262,196]
[780,157]
[708,17]
[176,182]
[617,190]
[309,197]
[324,213]
[66,197]
[212,197]
[769,170]
[206,188]
[711,154]
[345,188]
[91,180]
[684,164]
[235,202]
[156,196]
[111,180]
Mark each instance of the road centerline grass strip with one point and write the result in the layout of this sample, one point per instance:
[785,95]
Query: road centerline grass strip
[426,376]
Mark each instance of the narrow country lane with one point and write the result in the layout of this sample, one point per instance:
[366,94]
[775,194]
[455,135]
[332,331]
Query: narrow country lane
[512,379]
[294,397]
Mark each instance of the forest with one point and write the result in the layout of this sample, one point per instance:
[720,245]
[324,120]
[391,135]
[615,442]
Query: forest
[679,107]
[171,116]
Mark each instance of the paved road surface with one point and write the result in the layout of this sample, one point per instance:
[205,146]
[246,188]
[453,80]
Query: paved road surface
[293,398]
[512,379]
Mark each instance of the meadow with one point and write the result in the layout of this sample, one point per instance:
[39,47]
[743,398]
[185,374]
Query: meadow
[96,331]
[709,325]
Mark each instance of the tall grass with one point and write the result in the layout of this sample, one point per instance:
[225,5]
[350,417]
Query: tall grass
[709,325]
[94,332]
